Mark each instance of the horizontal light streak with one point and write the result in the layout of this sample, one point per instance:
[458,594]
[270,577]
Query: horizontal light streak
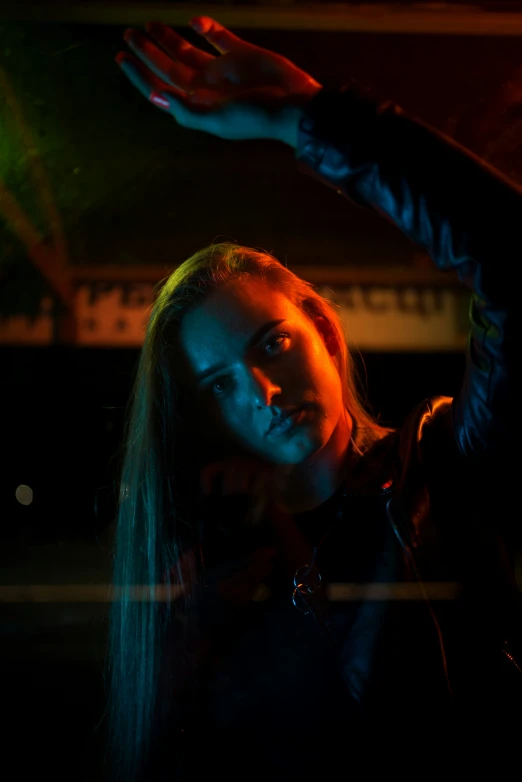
[106,593]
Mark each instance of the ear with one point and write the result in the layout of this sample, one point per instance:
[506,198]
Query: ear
[325,328]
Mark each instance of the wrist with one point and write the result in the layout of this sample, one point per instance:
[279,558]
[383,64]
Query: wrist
[287,126]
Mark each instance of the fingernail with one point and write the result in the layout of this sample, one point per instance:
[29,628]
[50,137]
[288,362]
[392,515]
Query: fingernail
[159,100]
[127,34]
[119,57]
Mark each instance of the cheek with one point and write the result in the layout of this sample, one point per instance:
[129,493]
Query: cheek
[233,421]
[330,382]
[315,367]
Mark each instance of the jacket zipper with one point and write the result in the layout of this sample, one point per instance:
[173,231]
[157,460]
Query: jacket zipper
[409,554]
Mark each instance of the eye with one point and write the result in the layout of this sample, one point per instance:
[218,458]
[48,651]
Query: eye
[218,381]
[275,338]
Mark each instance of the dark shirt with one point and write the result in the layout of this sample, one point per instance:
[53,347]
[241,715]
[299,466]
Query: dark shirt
[272,699]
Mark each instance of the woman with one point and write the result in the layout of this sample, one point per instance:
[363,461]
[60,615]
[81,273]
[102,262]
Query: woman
[254,480]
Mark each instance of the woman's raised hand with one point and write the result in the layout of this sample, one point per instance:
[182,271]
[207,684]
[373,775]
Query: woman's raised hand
[244,92]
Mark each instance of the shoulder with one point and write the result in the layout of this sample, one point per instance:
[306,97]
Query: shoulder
[429,459]
[428,431]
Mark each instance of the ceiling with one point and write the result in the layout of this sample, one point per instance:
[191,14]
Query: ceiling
[92,175]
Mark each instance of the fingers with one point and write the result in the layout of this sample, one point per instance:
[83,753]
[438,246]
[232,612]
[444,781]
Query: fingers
[141,77]
[220,38]
[178,47]
[176,74]
[167,83]
[151,87]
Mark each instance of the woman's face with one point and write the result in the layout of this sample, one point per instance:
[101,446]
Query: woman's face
[245,368]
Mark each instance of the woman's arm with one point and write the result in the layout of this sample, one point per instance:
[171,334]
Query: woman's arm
[462,211]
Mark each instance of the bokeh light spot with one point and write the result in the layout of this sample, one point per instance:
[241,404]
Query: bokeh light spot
[24,494]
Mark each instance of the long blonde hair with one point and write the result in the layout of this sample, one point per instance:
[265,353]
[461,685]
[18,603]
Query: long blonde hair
[154,525]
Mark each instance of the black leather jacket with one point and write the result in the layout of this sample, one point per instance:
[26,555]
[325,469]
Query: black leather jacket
[454,462]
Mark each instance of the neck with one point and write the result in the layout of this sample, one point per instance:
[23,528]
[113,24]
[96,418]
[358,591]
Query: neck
[308,485]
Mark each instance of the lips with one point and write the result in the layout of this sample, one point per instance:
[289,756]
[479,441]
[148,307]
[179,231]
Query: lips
[278,420]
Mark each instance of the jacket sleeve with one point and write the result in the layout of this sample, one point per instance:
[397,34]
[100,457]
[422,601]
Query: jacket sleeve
[463,212]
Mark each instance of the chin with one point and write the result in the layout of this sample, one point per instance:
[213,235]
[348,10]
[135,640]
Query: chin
[298,452]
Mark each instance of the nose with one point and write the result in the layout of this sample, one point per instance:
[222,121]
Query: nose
[264,387]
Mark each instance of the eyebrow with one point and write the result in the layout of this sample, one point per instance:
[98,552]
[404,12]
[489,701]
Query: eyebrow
[254,339]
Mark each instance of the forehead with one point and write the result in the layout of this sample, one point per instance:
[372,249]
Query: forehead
[237,308]
[228,317]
